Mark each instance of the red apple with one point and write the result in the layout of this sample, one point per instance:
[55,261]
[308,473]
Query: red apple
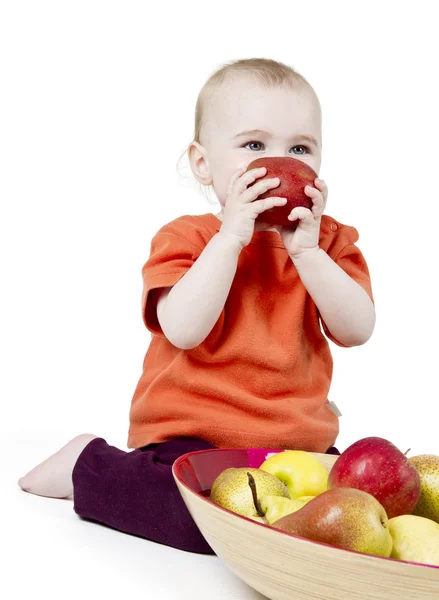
[378,467]
[294,175]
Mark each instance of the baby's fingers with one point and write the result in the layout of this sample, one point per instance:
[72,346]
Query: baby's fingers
[234,178]
[258,206]
[300,213]
[259,188]
[317,199]
[321,185]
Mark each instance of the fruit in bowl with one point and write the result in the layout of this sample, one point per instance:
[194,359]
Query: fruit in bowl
[282,565]
[294,176]
[349,514]
[378,467]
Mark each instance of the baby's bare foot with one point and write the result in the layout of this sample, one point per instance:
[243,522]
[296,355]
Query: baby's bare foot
[53,477]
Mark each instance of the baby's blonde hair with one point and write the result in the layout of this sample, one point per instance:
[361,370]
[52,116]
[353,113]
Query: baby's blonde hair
[266,71]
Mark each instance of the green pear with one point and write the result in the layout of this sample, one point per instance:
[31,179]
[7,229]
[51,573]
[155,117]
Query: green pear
[231,490]
[343,517]
[427,466]
[276,507]
[415,539]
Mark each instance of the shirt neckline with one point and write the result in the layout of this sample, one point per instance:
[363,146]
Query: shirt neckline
[260,238]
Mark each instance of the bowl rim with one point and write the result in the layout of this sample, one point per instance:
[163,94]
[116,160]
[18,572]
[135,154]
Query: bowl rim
[176,467]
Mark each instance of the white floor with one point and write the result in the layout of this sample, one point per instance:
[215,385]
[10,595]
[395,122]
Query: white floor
[52,554]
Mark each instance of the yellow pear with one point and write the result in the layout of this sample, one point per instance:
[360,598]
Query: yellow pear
[231,490]
[276,507]
[427,466]
[301,472]
[415,539]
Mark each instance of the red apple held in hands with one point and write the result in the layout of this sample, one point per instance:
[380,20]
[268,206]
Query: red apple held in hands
[378,467]
[294,176]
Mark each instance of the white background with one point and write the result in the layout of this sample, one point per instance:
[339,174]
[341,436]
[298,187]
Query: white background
[96,108]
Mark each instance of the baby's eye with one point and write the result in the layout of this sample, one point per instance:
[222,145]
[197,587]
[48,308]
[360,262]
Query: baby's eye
[305,147]
[248,144]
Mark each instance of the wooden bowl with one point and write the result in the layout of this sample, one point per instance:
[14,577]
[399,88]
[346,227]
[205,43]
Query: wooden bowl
[282,566]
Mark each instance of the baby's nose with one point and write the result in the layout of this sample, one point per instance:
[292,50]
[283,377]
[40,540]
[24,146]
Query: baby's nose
[279,154]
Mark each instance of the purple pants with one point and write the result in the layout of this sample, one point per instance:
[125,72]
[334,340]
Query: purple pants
[135,491]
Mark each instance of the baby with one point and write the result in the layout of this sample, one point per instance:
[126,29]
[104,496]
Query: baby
[239,312]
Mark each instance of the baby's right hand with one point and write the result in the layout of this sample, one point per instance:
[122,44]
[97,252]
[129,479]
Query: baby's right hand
[241,207]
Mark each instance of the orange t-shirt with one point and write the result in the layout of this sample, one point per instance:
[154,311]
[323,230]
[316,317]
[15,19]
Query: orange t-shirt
[261,377]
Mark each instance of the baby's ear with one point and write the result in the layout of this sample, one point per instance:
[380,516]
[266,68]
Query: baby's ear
[199,163]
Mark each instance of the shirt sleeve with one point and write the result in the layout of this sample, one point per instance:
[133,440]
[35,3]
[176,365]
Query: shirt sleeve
[349,257]
[172,255]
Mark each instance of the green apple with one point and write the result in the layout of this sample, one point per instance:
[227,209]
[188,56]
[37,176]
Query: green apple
[300,471]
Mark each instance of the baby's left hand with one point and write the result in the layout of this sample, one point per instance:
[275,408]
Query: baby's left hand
[306,236]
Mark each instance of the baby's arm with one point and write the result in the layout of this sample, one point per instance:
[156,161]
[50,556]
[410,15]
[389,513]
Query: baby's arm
[344,305]
[188,311]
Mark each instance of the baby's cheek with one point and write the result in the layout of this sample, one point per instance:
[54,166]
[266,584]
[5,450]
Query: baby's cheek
[223,167]
[221,186]
[220,192]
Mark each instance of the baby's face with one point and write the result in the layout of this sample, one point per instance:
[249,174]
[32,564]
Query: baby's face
[282,122]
